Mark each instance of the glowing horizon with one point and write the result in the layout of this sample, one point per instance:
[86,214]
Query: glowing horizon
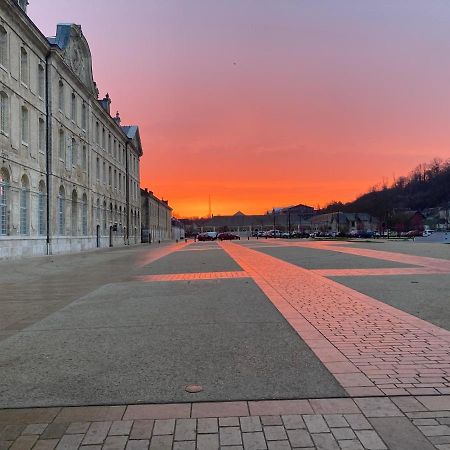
[262,103]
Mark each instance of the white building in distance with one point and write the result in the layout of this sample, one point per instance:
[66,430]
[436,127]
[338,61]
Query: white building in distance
[69,171]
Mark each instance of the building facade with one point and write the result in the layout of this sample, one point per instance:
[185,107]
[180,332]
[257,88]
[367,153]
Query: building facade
[69,171]
[340,222]
[156,218]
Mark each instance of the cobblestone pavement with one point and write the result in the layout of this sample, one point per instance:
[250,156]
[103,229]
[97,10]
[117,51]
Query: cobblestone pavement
[370,347]
[398,423]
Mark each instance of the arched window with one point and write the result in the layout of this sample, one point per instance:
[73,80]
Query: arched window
[24,206]
[4,202]
[3,47]
[61,95]
[73,108]
[4,113]
[41,80]
[25,125]
[62,211]
[23,66]
[74,213]
[42,207]
[84,216]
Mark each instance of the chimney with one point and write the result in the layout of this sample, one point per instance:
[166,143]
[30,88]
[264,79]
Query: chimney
[117,118]
[106,104]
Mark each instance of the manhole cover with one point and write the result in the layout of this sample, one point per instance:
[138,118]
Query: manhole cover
[193,388]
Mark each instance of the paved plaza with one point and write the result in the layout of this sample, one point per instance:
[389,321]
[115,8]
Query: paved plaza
[292,344]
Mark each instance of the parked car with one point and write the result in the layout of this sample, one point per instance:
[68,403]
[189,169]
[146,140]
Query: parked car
[209,236]
[227,236]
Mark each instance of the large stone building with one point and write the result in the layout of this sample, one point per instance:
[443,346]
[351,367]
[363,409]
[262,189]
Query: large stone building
[156,218]
[69,171]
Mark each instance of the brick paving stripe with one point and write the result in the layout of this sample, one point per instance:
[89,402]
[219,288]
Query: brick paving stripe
[386,351]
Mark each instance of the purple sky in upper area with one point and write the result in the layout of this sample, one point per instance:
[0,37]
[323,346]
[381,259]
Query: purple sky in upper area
[265,103]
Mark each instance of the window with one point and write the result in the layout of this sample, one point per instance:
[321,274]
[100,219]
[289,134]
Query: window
[62,147]
[110,176]
[115,179]
[120,181]
[84,158]
[109,144]
[42,216]
[4,113]
[104,215]
[41,132]
[23,66]
[97,133]
[115,149]
[84,116]
[61,96]
[98,211]
[74,213]
[104,172]
[84,216]
[74,152]
[73,108]
[3,47]
[4,199]
[24,209]
[41,81]
[103,138]
[97,169]
[24,125]
[62,211]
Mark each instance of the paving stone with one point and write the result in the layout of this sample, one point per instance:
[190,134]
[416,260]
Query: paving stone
[96,433]
[343,433]
[46,444]
[233,447]
[91,447]
[325,441]
[219,409]
[251,423]
[138,444]
[28,415]
[426,422]
[115,443]
[271,420]
[272,407]
[334,406]
[78,428]
[184,445]
[352,444]
[399,433]
[11,432]
[185,429]
[357,422]
[408,404]
[35,428]
[228,421]
[279,445]
[436,403]
[275,433]
[142,429]
[299,438]
[435,430]
[293,421]
[230,436]
[120,428]
[4,445]
[207,441]
[207,426]
[370,440]
[70,442]
[147,412]
[439,440]
[90,414]
[254,441]
[162,442]
[24,442]
[335,420]
[316,424]
[165,426]
[378,407]
[55,431]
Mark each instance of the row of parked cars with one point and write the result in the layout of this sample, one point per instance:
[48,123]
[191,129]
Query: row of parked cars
[212,236]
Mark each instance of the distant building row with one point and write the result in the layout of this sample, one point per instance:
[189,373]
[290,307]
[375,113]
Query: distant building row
[69,171]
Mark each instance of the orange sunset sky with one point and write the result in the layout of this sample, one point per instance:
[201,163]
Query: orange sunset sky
[263,103]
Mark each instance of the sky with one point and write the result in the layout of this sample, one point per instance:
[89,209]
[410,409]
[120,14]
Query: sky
[267,103]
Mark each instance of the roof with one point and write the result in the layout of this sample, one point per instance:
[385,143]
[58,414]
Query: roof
[130,130]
